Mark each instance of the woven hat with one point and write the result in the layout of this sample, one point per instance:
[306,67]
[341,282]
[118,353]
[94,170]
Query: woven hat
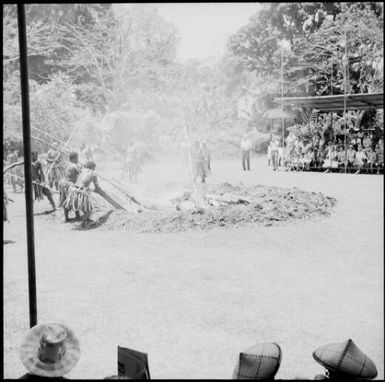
[347,359]
[260,361]
[50,350]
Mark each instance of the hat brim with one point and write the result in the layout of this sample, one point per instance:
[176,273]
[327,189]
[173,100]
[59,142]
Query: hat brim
[29,350]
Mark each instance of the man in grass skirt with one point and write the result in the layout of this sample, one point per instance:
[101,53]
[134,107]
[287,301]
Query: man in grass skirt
[56,171]
[40,190]
[72,173]
[79,196]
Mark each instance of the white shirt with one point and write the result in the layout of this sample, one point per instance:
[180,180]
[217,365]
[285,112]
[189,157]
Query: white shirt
[360,156]
[273,145]
[246,145]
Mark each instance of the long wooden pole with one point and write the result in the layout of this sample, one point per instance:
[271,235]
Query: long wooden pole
[345,79]
[47,143]
[283,120]
[39,184]
[27,164]
[44,132]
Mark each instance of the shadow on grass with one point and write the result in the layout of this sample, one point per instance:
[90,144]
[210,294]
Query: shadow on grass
[95,224]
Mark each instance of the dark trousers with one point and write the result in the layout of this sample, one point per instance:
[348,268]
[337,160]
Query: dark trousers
[246,160]
[274,158]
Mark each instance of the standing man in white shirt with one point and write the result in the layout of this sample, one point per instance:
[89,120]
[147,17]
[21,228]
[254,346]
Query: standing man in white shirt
[274,144]
[246,146]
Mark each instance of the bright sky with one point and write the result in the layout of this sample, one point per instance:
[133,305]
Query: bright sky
[205,27]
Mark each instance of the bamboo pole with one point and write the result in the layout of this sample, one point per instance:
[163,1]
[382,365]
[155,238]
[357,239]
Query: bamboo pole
[37,183]
[44,132]
[108,198]
[283,119]
[43,141]
[27,163]
[131,197]
[345,79]
[13,165]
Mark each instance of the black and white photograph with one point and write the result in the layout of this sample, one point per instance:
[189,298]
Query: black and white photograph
[193,190]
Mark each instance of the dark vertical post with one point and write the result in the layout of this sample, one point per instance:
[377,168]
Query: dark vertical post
[282,121]
[346,62]
[27,164]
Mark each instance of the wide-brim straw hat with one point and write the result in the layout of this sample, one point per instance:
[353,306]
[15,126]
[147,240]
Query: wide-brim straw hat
[345,358]
[35,345]
[260,361]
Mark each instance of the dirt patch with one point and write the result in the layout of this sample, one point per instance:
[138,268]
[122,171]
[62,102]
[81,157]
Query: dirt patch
[267,206]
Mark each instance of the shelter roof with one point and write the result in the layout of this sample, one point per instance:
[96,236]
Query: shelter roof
[363,101]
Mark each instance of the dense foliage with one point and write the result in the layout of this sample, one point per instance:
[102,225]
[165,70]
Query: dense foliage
[108,73]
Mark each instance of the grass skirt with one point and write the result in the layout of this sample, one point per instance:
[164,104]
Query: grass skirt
[64,186]
[79,199]
[56,174]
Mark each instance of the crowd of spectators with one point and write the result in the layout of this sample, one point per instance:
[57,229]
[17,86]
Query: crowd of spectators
[363,153]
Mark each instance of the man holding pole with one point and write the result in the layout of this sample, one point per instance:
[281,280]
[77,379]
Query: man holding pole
[55,169]
[79,195]
[71,176]
[38,179]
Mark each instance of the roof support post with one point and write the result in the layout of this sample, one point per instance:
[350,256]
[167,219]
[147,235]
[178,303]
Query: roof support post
[27,164]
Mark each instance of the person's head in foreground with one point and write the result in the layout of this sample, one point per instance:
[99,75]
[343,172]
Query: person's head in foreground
[49,350]
[34,155]
[344,361]
[260,361]
[74,158]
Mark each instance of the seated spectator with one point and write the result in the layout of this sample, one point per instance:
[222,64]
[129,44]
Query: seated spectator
[380,156]
[295,158]
[50,351]
[355,141]
[331,158]
[366,142]
[341,157]
[321,156]
[372,160]
[260,361]
[360,136]
[301,163]
[360,160]
[340,143]
[350,135]
[288,156]
[309,159]
[351,156]
[344,361]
